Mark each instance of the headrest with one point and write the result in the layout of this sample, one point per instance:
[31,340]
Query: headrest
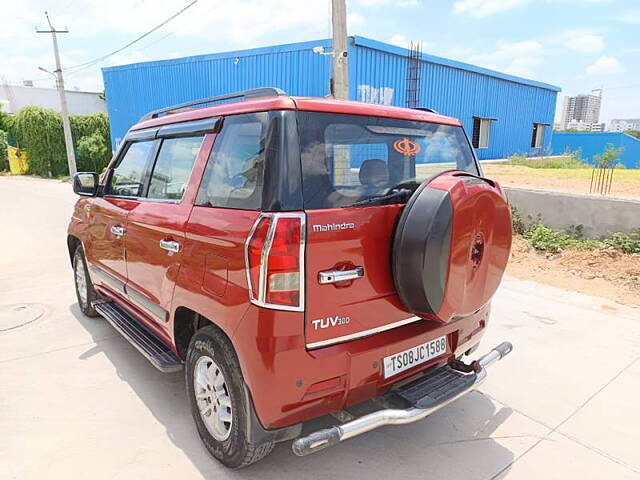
[374,173]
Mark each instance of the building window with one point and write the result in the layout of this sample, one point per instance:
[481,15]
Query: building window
[481,132]
[537,137]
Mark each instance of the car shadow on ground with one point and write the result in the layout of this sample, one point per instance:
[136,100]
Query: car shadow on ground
[453,443]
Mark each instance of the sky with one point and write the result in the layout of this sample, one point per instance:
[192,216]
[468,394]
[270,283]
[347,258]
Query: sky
[578,45]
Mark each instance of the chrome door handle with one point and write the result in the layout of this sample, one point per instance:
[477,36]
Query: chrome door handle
[170,245]
[117,230]
[334,276]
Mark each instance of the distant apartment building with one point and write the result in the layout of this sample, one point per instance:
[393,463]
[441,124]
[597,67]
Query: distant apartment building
[623,125]
[580,126]
[581,112]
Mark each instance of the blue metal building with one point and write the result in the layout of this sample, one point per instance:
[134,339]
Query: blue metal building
[594,143]
[377,74]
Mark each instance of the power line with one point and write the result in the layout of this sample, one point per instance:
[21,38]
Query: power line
[82,66]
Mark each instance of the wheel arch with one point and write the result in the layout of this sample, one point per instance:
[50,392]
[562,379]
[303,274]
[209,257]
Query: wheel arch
[186,322]
[72,245]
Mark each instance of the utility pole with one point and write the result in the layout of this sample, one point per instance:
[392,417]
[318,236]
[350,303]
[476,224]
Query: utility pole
[68,140]
[340,79]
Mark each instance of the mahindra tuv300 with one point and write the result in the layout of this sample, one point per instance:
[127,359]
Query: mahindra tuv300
[295,256]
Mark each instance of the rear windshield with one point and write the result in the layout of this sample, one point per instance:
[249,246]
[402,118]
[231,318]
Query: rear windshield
[350,160]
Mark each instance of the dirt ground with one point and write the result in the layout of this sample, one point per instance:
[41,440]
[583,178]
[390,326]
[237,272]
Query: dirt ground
[604,273]
[626,183]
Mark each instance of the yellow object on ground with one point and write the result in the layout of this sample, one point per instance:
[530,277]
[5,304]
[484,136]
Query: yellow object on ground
[18,163]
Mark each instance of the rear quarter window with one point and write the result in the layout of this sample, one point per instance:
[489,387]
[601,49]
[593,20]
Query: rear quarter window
[234,174]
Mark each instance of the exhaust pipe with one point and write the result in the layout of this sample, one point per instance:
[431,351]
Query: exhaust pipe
[321,439]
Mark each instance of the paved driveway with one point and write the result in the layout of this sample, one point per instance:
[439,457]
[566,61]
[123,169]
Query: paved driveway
[77,401]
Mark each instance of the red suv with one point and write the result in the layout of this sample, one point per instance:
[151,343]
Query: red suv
[297,256]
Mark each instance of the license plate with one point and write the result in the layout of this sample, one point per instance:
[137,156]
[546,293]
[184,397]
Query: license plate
[407,359]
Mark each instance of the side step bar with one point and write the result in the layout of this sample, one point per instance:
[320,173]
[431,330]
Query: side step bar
[427,395]
[139,336]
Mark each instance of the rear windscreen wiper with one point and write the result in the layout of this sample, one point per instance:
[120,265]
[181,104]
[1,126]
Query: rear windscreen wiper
[403,192]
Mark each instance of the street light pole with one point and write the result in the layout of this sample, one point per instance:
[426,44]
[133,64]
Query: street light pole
[340,79]
[66,125]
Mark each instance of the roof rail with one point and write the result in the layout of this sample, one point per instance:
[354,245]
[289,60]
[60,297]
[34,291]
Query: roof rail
[245,94]
[425,109]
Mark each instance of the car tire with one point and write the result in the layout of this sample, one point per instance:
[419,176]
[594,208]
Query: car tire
[85,293]
[216,392]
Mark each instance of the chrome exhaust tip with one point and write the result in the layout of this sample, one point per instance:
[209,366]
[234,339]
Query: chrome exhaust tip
[325,438]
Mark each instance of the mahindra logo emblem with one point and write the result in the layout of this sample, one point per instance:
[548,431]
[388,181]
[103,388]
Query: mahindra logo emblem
[330,227]
[330,322]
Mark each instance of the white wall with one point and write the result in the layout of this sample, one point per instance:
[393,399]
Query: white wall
[14,97]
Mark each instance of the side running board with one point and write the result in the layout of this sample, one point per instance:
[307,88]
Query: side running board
[139,336]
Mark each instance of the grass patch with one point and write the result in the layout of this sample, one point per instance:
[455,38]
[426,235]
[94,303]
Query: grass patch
[569,161]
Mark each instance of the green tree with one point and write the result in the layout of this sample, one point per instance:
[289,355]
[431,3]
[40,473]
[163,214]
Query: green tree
[609,158]
[4,154]
[634,133]
[94,151]
[39,131]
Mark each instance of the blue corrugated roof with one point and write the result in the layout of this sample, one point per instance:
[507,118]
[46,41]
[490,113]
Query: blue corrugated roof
[287,47]
[355,40]
[385,47]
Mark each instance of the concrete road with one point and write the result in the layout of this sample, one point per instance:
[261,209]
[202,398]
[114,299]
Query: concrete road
[77,401]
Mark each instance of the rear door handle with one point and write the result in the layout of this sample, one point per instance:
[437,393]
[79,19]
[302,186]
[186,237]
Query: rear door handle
[117,230]
[334,276]
[170,245]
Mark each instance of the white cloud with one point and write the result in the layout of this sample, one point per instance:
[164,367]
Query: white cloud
[402,41]
[519,58]
[630,16]
[100,27]
[379,3]
[354,20]
[582,41]
[484,8]
[605,66]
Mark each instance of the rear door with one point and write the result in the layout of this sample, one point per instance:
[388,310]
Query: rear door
[156,227]
[350,166]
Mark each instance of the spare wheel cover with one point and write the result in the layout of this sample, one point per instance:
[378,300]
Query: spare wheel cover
[451,246]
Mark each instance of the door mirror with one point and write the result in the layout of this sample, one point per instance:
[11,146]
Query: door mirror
[85,183]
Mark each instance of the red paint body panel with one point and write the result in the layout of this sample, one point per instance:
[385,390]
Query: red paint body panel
[273,359]
[369,302]
[288,382]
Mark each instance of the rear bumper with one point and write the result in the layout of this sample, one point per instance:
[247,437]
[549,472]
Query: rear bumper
[290,384]
[322,439]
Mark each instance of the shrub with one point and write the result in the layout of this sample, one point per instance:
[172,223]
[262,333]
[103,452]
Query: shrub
[546,239]
[39,131]
[517,222]
[4,154]
[625,242]
[94,153]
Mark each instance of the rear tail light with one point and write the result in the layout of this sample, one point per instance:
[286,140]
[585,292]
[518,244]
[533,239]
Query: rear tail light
[275,261]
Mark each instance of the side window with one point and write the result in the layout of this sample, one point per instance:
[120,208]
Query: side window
[537,138]
[128,177]
[173,167]
[234,174]
[481,131]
